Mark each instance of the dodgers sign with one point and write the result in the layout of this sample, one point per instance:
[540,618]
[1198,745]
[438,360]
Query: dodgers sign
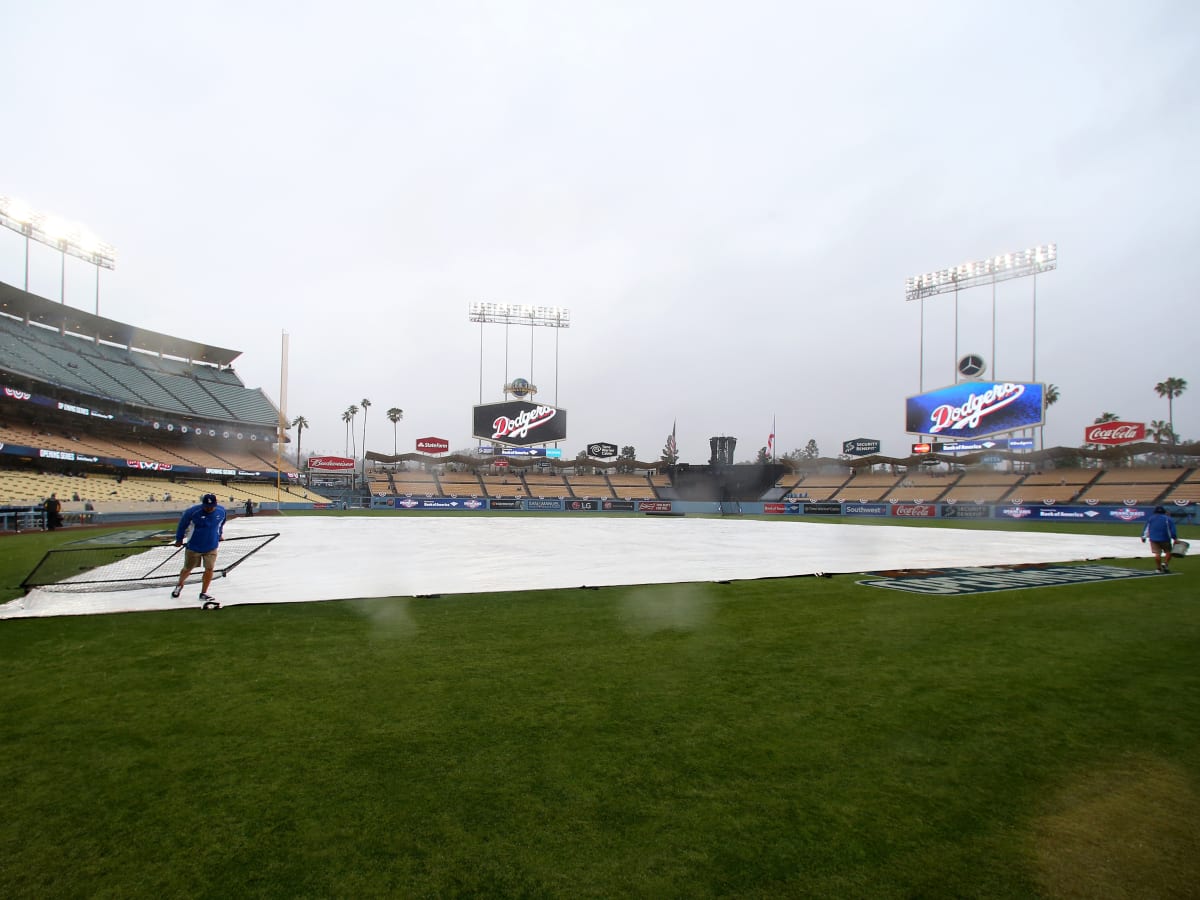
[975,409]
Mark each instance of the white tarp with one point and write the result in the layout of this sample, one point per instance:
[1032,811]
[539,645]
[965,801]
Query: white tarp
[330,558]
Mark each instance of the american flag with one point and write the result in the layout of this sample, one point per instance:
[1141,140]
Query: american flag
[771,441]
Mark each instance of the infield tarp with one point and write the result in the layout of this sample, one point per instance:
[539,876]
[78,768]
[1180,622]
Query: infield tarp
[319,558]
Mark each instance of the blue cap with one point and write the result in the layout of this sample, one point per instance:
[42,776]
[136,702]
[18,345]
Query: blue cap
[209,500]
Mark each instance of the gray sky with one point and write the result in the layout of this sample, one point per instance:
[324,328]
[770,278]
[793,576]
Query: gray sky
[728,198]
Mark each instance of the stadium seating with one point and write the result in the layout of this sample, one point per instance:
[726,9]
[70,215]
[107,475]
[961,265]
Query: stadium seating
[594,486]
[503,485]
[460,484]
[1188,489]
[545,484]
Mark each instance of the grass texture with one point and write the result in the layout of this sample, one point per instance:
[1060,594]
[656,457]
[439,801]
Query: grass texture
[779,738]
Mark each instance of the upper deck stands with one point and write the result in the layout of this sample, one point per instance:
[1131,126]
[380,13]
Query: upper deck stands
[124,375]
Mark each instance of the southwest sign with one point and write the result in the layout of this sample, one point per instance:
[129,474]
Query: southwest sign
[1113,433]
[975,409]
[519,423]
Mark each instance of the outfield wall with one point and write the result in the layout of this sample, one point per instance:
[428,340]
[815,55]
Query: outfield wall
[849,509]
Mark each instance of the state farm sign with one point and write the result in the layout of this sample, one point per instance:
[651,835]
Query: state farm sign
[330,464]
[432,445]
[1115,433]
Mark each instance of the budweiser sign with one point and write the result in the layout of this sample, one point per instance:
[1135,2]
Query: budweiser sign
[432,445]
[1115,433]
[330,464]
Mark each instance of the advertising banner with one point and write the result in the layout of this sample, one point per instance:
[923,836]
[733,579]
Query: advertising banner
[965,511]
[504,503]
[973,446]
[433,445]
[331,464]
[519,423]
[611,505]
[914,510]
[654,505]
[580,505]
[860,447]
[774,509]
[602,450]
[543,504]
[1129,515]
[822,509]
[439,503]
[867,509]
[1114,433]
[975,409]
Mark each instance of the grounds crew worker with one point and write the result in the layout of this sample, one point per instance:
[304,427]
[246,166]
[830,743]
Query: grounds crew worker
[208,525]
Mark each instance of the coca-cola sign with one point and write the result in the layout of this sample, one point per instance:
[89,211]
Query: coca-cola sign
[1115,433]
[519,423]
[433,445]
[914,510]
[330,464]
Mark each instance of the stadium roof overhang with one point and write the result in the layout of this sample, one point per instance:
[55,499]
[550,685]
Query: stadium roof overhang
[32,308]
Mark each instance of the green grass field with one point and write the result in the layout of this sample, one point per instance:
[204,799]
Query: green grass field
[794,737]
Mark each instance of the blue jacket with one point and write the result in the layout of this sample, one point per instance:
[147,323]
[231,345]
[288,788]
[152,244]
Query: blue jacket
[1160,527]
[207,528]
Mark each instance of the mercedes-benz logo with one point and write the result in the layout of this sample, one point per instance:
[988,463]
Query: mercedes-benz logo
[971,365]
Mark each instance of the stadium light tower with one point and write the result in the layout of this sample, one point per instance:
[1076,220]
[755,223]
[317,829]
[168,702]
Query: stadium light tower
[66,237]
[519,314]
[1020,264]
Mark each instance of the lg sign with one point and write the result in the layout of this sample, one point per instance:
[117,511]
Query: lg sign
[432,445]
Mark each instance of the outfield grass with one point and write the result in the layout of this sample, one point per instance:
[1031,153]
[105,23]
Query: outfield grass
[793,737]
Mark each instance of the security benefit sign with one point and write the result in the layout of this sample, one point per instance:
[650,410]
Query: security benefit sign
[519,423]
[973,409]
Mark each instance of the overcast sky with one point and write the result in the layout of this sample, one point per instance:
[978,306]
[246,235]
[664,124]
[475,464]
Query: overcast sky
[728,197]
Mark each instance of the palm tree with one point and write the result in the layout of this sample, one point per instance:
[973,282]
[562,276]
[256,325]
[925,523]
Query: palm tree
[366,404]
[1171,388]
[394,415]
[299,423]
[1051,399]
[346,419]
[352,411]
[1161,430]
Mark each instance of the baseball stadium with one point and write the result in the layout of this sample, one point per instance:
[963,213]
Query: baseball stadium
[517,672]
